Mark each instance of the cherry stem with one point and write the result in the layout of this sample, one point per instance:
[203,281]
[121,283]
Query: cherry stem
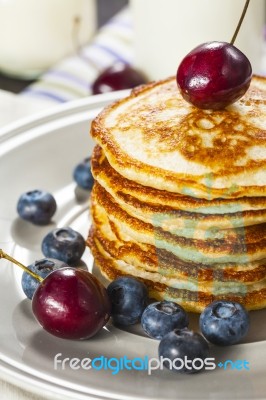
[240,22]
[9,258]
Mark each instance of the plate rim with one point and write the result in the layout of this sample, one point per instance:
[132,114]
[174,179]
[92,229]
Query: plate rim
[12,373]
[8,371]
[59,111]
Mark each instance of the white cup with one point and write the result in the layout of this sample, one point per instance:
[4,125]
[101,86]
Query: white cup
[35,34]
[166,30]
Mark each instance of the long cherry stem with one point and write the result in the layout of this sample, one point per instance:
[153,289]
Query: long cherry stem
[240,22]
[13,260]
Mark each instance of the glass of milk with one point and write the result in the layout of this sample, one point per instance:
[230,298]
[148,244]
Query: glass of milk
[35,34]
[166,30]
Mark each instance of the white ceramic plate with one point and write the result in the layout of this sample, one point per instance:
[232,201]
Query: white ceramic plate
[41,153]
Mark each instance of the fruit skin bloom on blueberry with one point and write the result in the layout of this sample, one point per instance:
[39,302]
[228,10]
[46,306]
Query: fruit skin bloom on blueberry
[128,298]
[224,322]
[160,318]
[36,206]
[64,244]
[186,345]
[42,268]
[82,174]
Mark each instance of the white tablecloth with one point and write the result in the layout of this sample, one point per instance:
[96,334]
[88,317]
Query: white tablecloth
[12,392]
[14,107]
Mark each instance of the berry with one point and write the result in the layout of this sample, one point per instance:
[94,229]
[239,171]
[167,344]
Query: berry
[71,304]
[118,77]
[64,244]
[42,268]
[188,346]
[82,174]
[214,75]
[36,206]
[129,298]
[160,318]
[224,322]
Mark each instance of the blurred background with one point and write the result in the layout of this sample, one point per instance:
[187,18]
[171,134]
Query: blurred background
[105,9]
[56,51]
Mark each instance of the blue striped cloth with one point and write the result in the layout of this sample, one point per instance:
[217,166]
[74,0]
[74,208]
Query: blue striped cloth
[72,78]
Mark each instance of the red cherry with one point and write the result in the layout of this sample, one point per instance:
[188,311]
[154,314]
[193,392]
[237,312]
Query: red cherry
[118,77]
[214,75]
[71,304]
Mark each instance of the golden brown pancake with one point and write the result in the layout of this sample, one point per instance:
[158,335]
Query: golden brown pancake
[240,245]
[157,139]
[125,188]
[191,300]
[180,212]
[179,196]
[159,260]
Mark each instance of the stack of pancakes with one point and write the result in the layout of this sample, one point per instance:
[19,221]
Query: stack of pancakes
[179,199]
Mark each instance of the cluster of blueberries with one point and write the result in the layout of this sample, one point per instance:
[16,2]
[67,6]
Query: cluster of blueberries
[222,322]
[61,246]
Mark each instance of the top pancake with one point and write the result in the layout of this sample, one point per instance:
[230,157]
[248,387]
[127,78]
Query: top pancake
[157,139]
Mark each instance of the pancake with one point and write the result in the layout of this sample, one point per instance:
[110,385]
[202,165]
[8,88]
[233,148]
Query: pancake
[158,260]
[194,216]
[179,199]
[192,300]
[125,188]
[242,245]
[155,138]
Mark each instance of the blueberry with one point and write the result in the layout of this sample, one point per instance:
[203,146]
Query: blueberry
[224,322]
[64,244]
[82,174]
[42,268]
[160,318]
[129,298]
[185,349]
[36,206]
